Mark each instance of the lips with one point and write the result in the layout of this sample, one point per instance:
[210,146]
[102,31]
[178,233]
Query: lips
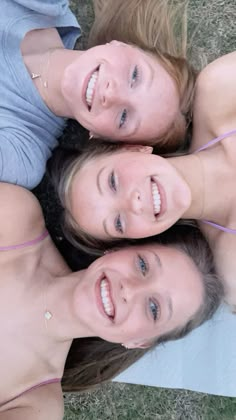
[104,298]
[107,302]
[156,198]
[91,87]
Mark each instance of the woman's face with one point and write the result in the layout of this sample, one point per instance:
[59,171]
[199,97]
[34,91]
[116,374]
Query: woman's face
[136,294]
[128,194]
[120,92]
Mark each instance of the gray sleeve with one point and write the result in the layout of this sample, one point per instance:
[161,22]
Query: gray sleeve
[22,159]
[46,7]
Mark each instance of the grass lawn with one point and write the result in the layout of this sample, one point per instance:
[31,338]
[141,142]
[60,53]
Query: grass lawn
[212,26]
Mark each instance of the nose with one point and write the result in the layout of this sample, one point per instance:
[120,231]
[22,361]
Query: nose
[135,202]
[132,290]
[109,94]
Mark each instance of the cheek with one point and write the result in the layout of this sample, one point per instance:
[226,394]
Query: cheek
[104,124]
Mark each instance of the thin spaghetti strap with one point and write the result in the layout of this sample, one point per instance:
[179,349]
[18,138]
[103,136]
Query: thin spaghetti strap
[25,244]
[216,140]
[224,229]
[47,382]
[209,144]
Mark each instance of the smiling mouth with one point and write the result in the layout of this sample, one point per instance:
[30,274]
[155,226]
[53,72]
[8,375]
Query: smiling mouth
[156,198]
[107,303]
[90,91]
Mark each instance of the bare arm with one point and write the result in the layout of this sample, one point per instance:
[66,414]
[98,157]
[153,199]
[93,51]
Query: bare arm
[44,403]
[214,109]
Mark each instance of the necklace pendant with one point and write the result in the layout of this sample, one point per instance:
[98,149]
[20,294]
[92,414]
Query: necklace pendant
[47,315]
[35,76]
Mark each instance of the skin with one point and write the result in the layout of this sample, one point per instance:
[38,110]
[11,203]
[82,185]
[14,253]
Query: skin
[214,114]
[129,82]
[197,178]
[149,292]
[36,279]
[117,189]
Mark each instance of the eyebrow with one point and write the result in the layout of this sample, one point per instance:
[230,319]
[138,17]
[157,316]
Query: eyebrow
[151,71]
[98,180]
[170,307]
[106,230]
[157,258]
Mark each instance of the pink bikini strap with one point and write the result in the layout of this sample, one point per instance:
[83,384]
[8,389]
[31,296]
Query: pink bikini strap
[209,144]
[49,381]
[25,244]
[216,140]
[224,229]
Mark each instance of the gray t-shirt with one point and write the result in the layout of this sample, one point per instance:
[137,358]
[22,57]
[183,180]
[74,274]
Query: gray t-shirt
[28,129]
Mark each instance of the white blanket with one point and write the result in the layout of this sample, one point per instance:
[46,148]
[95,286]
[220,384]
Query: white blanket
[204,361]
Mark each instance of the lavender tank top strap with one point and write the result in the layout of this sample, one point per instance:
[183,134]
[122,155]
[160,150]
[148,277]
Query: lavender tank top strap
[216,140]
[205,146]
[49,381]
[25,244]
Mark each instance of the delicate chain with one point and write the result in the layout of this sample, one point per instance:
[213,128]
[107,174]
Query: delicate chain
[41,70]
[44,70]
[47,314]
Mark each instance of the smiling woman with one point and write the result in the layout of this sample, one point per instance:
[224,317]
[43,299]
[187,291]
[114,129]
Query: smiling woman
[122,82]
[111,193]
[137,296]
[115,90]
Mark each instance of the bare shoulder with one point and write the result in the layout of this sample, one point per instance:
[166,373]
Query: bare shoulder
[21,216]
[217,71]
[215,96]
[45,402]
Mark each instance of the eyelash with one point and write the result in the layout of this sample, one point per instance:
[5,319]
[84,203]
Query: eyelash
[112,181]
[135,75]
[113,186]
[118,225]
[143,265]
[154,309]
[123,118]
[134,79]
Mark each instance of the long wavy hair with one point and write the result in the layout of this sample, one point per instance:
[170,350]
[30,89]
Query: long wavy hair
[158,27]
[92,361]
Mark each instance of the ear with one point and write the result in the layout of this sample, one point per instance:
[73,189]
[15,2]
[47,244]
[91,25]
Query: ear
[116,43]
[93,135]
[137,148]
[138,344]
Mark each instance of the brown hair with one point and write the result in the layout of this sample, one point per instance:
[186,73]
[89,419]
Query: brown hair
[92,361]
[158,27]
[62,167]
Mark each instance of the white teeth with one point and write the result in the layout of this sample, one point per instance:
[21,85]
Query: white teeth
[91,88]
[156,198]
[106,300]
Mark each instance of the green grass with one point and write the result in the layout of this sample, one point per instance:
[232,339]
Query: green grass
[133,402]
[212,29]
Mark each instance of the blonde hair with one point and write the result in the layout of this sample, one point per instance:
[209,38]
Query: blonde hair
[158,27]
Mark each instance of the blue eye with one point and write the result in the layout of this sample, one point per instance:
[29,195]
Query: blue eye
[123,118]
[135,75]
[112,181]
[118,225]
[154,309]
[142,265]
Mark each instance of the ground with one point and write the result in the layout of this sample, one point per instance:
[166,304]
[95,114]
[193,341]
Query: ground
[212,32]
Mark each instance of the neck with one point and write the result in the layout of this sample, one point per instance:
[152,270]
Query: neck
[206,182]
[56,62]
[59,300]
